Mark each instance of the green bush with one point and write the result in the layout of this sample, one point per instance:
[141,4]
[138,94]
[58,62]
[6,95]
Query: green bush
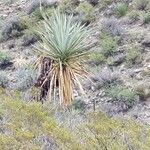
[121,9]
[3,79]
[134,16]
[97,57]
[142,88]
[108,44]
[120,93]
[86,12]
[146,18]
[4,58]
[133,55]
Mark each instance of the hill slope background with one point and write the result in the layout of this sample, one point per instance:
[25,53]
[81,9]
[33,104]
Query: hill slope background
[119,61]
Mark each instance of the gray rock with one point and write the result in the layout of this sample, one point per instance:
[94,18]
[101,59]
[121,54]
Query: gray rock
[33,4]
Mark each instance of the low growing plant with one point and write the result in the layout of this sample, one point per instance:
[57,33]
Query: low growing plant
[120,93]
[146,18]
[108,44]
[121,9]
[86,12]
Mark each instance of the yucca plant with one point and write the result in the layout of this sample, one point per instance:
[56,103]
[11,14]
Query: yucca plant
[62,52]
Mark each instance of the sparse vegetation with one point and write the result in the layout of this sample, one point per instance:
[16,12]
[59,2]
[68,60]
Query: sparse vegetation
[121,9]
[134,16]
[31,127]
[123,94]
[146,18]
[98,58]
[4,59]
[86,12]
[108,44]
[133,55]
[112,27]
[3,79]
[141,4]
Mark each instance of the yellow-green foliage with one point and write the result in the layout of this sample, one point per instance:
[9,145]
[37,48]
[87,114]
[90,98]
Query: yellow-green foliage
[111,134]
[22,123]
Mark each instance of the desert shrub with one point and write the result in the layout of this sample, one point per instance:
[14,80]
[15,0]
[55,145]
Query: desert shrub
[104,3]
[12,28]
[86,12]
[133,55]
[34,4]
[69,6]
[105,78]
[5,59]
[108,44]
[25,78]
[112,27]
[134,16]
[146,18]
[29,38]
[121,9]
[3,79]
[142,88]
[26,21]
[38,13]
[79,105]
[97,57]
[141,4]
[120,93]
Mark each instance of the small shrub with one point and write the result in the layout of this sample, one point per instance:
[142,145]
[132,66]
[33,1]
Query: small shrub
[108,44]
[69,6]
[24,79]
[146,18]
[133,55]
[12,28]
[121,9]
[134,16]
[3,79]
[97,57]
[86,12]
[120,93]
[27,21]
[79,105]
[105,3]
[4,59]
[112,27]
[142,88]
[38,14]
[141,4]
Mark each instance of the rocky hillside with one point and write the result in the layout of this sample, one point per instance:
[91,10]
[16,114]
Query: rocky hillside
[119,46]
